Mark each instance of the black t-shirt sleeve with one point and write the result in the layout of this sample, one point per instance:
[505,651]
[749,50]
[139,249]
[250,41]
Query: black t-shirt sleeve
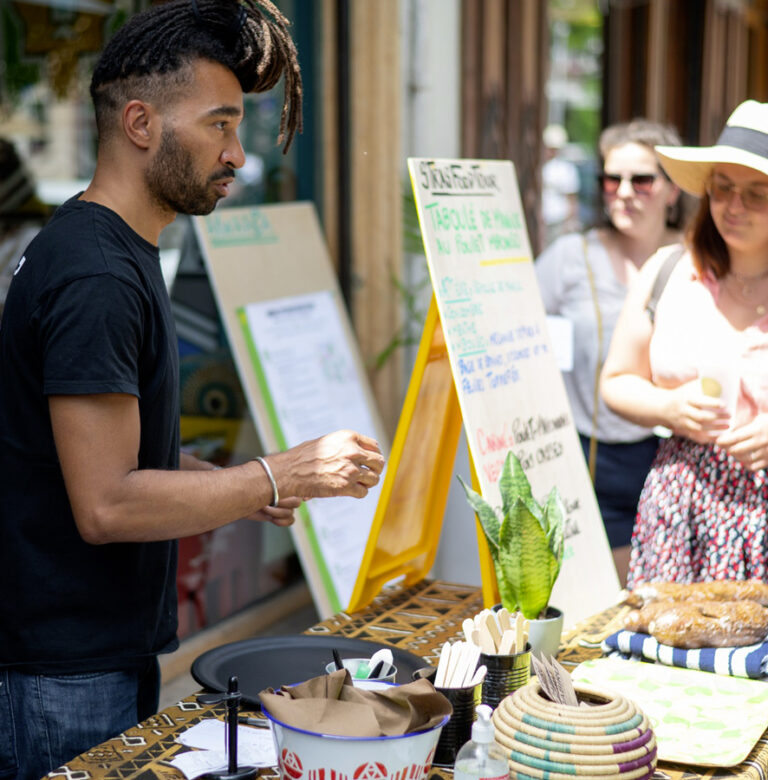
[91,334]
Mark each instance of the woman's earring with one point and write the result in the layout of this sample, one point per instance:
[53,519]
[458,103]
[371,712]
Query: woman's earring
[673,213]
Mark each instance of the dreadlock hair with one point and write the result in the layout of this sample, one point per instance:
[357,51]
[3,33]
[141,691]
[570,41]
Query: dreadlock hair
[149,58]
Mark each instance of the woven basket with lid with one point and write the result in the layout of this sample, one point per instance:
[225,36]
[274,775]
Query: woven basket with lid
[607,737]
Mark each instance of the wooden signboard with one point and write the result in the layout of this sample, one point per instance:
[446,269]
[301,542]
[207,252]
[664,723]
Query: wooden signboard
[298,363]
[509,388]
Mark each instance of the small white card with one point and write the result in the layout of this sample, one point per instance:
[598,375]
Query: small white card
[561,337]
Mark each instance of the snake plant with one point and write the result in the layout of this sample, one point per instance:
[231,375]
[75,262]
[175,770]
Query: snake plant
[526,543]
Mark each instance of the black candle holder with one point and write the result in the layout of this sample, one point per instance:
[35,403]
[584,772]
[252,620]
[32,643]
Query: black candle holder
[232,699]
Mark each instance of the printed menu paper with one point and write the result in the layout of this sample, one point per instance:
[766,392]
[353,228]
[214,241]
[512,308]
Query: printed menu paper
[308,380]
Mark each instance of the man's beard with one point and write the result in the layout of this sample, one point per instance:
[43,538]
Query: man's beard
[174,183]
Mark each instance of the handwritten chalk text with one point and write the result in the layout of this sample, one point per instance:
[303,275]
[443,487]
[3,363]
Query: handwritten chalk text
[456,177]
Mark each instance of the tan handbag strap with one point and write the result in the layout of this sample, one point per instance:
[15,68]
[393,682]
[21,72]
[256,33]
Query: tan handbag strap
[599,365]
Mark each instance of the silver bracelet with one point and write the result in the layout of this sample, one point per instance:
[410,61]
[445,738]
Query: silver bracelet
[271,477]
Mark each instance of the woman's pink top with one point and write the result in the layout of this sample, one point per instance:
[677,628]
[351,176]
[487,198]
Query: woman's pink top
[691,338]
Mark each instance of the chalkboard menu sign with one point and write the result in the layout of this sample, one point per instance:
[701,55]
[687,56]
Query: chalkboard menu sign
[509,387]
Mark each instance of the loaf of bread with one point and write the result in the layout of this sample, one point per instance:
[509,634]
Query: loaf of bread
[693,624]
[640,619]
[719,590]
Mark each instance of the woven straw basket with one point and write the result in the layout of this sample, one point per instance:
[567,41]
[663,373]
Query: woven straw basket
[609,739]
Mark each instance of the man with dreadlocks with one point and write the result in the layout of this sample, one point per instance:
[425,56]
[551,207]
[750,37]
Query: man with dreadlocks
[93,490]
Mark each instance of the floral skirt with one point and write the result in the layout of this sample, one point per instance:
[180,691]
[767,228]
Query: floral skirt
[701,516]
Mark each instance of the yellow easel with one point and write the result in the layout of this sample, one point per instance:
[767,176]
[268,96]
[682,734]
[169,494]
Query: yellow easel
[409,517]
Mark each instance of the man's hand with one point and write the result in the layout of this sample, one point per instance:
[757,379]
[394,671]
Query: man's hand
[281,515]
[343,463]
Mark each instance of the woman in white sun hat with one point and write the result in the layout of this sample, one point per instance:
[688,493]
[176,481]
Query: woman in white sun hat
[700,369]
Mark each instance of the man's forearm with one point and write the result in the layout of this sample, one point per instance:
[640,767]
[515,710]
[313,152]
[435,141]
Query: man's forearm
[152,505]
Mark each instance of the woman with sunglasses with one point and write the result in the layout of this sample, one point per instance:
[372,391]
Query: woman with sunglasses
[584,278]
[701,370]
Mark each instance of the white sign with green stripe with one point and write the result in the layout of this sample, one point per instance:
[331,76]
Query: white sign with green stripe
[308,381]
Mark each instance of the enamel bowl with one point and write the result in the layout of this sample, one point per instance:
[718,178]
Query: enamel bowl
[308,755]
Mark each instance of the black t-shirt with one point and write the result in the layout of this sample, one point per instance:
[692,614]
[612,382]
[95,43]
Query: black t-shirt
[87,312]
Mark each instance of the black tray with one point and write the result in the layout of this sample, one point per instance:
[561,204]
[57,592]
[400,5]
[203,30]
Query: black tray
[272,661]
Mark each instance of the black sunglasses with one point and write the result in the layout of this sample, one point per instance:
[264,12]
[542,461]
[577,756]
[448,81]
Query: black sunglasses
[642,183]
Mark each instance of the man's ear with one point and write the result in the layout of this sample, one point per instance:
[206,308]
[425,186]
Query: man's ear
[139,123]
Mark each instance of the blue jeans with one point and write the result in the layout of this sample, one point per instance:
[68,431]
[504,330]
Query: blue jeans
[47,719]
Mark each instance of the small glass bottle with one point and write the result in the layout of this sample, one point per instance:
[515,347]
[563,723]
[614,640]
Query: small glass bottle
[481,758]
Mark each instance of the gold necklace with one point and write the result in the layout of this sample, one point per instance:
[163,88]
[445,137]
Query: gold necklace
[747,280]
[746,291]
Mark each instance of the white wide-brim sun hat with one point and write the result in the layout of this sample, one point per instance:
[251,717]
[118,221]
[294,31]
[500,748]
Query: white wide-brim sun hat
[744,141]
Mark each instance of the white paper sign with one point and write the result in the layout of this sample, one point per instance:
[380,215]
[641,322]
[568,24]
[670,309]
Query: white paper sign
[311,386]
[507,380]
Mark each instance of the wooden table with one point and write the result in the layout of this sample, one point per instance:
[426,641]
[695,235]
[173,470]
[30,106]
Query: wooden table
[418,619]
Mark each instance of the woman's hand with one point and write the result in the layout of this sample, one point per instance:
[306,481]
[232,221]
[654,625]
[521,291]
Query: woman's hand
[748,443]
[696,416]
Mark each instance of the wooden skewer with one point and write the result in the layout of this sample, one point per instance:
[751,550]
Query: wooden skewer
[471,669]
[479,676]
[493,630]
[465,659]
[480,618]
[487,645]
[519,630]
[453,665]
[442,666]
[507,644]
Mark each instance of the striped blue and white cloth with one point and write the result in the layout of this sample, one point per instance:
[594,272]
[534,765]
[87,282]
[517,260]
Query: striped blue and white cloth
[748,661]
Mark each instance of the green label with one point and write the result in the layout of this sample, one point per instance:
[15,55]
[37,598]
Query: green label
[239,228]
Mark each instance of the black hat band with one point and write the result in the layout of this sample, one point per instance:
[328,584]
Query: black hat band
[746,139]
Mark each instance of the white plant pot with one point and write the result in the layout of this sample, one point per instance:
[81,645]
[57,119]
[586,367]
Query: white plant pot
[544,633]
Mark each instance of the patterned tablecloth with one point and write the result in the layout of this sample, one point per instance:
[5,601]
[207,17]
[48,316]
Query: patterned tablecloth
[418,619]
